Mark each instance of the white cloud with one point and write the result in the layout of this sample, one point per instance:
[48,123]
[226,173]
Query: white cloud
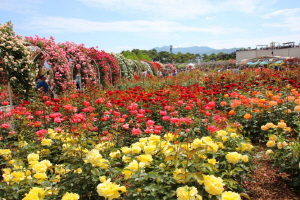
[247,6]
[59,24]
[178,9]
[285,18]
[250,42]
[283,12]
[23,6]
[291,23]
[209,18]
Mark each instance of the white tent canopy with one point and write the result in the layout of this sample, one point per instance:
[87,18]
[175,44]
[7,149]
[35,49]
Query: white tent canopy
[190,66]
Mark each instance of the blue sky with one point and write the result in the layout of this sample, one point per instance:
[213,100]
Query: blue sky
[116,25]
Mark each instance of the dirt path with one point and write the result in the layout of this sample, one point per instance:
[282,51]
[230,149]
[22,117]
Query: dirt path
[268,184]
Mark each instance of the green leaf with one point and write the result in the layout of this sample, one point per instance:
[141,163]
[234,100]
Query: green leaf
[153,175]
[192,169]
[188,178]
[198,176]
[16,195]
[245,195]
[95,171]
[238,169]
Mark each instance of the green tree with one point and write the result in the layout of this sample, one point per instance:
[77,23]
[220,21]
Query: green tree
[198,56]
[212,57]
[164,56]
[205,57]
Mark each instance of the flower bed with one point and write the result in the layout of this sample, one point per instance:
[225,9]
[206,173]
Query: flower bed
[179,137]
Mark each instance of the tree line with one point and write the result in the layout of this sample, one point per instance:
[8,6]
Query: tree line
[166,57]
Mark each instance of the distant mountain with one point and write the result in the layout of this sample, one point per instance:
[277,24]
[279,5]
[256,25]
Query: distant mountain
[195,49]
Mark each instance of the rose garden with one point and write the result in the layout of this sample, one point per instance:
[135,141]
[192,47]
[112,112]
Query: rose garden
[126,136]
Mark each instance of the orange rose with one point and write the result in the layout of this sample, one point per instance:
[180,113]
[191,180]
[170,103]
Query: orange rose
[247,116]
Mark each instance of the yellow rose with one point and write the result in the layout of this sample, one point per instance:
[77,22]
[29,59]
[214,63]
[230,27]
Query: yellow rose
[93,157]
[169,136]
[5,152]
[186,193]
[211,146]
[103,163]
[17,176]
[228,195]
[70,196]
[273,137]
[145,158]
[102,179]
[246,147]
[110,190]
[7,177]
[126,159]
[40,177]
[206,139]
[142,142]
[245,158]
[135,149]
[46,142]
[271,143]
[162,165]
[233,157]
[35,193]
[221,145]
[221,133]
[268,152]
[224,139]
[127,173]
[270,125]
[6,170]
[169,151]
[197,143]
[233,135]
[134,166]
[281,124]
[126,150]
[78,171]
[213,185]
[55,179]
[154,138]
[264,128]
[212,161]
[150,149]
[59,169]
[27,172]
[115,154]
[51,191]
[33,157]
[180,175]
[46,162]
[39,168]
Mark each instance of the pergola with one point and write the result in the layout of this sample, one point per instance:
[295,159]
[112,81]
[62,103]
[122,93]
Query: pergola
[266,46]
[288,44]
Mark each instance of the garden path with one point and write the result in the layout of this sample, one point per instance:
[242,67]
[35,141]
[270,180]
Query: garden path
[268,183]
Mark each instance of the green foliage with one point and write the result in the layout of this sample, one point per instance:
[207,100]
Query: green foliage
[284,148]
[135,55]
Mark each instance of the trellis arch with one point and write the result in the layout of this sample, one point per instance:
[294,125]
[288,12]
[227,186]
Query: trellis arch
[69,59]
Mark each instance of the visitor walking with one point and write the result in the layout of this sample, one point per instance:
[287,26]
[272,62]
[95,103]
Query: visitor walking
[42,85]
